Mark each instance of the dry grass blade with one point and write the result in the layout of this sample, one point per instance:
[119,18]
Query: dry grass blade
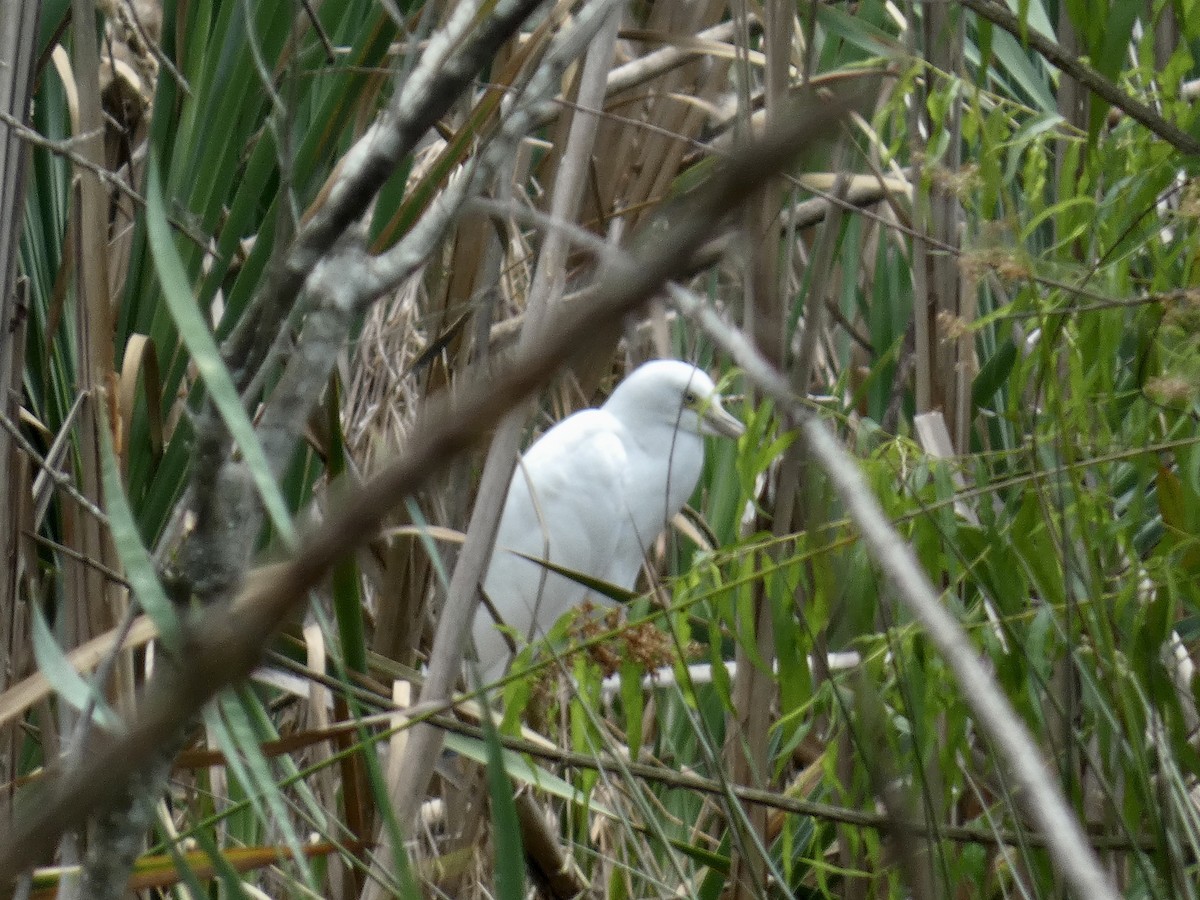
[23,695]
[97,604]
[549,279]
[140,359]
[17,27]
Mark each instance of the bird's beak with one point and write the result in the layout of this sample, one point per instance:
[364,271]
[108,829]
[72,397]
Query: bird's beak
[716,420]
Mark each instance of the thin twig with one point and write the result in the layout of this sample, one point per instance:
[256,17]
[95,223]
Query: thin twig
[113,576]
[438,715]
[62,479]
[227,640]
[155,50]
[319,29]
[1085,75]
[1040,796]
[65,149]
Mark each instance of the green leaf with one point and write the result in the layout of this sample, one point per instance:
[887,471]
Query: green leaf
[506,827]
[518,767]
[194,332]
[139,567]
[611,591]
[57,669]
[235,732]
[857,32]
[633,703]
[994,373]
[1111,56]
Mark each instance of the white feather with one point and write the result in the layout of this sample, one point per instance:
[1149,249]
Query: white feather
[591,495]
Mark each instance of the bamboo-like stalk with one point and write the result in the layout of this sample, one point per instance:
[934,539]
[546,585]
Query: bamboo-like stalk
[754,689]
[101,603]
[449,646]
[17,28]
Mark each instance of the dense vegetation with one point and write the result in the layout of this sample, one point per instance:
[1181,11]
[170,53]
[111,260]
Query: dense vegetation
[235,301]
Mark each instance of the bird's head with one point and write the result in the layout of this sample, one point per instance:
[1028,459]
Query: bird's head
[676,394]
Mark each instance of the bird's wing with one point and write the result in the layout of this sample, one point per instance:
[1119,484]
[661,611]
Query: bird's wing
[567,498]
[664,466]
[567,491]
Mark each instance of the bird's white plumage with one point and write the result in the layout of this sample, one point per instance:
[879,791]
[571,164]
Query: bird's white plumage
[591,495]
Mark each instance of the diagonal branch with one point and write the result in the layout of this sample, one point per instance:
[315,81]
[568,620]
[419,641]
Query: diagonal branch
[228,639]
[453,58]
[1040,795]
[1087,76]
[347,280]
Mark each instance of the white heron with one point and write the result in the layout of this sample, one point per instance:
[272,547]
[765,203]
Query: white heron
[590,496]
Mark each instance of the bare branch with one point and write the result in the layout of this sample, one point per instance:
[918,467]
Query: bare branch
[228,639]
[597,26]
[347,280]
[451,60]
[1040,795]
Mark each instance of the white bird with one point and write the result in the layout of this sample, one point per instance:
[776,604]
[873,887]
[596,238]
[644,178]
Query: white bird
[590,496]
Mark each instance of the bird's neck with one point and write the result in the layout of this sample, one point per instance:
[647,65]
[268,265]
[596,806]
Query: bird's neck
[662,442]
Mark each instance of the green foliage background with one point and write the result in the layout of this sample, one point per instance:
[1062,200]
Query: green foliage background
[1034,279]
